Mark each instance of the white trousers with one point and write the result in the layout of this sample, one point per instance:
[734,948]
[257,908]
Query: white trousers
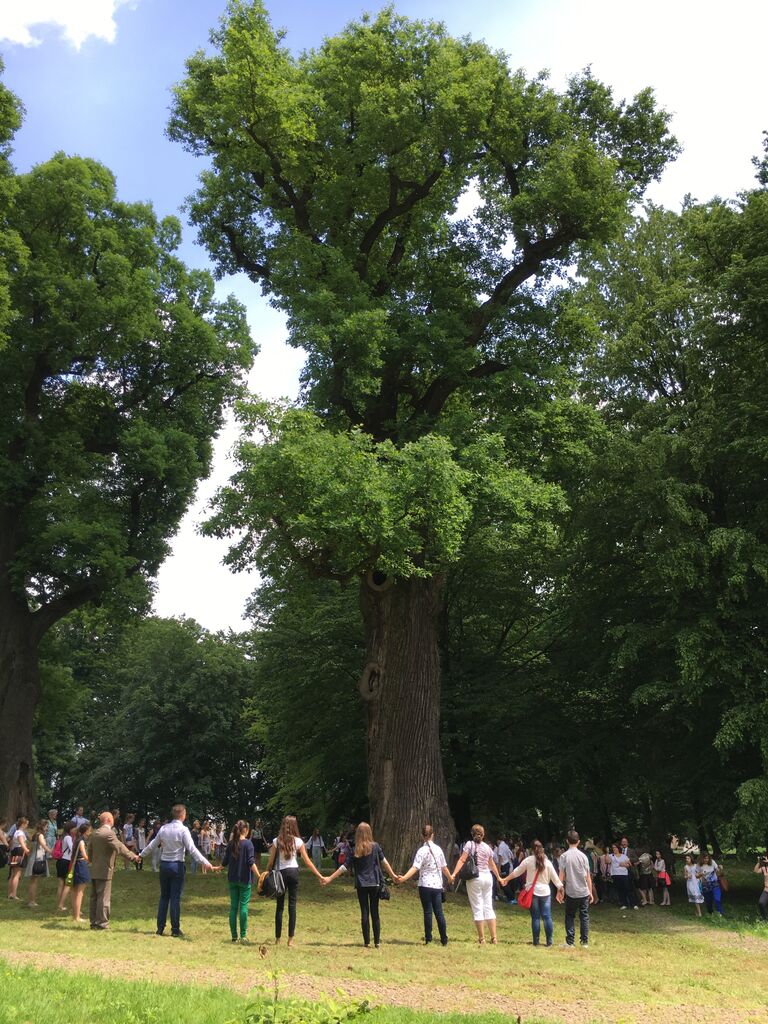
[480,892]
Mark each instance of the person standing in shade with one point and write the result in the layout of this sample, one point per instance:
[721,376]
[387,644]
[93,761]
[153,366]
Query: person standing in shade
[174,842]
[576,874]
[78,818]
[141,841]
[81,875]
[503,857]
[709,873]
[761,868]
[17,858]
[316,845]
[51,830]
[37,862]
[480,889]
[663,881]
[64,863]
[620,874]
[368,862]
[693,883]
[430,864]
[103,851]
[240,861]
[539,872]
[286,848]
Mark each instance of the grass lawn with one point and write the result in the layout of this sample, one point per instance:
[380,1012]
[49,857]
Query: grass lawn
[651,964]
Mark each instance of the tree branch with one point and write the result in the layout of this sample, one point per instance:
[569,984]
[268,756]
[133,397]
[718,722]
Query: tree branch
[49,614]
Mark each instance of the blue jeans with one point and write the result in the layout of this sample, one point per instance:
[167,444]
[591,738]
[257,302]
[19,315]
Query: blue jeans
[432,902]
[574,905]
[712,896]
[172,874]
[541,909]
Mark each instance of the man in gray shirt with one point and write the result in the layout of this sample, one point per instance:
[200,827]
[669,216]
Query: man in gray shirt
[576,875]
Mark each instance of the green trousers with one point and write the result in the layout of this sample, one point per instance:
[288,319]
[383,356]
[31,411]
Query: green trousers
[239,898]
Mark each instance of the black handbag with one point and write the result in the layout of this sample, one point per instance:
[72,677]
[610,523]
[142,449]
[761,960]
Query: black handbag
[469,869]
[384,893]
[274,883]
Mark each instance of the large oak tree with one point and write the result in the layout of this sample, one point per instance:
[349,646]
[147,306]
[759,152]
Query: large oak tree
[116,371]
[340,181]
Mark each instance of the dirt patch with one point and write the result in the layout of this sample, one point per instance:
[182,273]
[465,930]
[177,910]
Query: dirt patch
[436,999]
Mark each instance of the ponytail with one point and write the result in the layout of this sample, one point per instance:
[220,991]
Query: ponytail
[235,836]
[538,853]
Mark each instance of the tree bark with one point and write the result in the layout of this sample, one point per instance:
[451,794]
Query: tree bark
[19,696]
[401,684]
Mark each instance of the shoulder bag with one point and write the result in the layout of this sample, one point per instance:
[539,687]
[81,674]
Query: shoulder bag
[439,872]
[71,872]
[525,897]
[39,865]
[384,893]
[469,868]
[273,884]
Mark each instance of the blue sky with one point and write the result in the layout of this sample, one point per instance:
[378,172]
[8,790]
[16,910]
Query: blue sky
[94,76]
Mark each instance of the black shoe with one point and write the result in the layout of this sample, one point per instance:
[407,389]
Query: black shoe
[159,933]
[177,935]
[444,943]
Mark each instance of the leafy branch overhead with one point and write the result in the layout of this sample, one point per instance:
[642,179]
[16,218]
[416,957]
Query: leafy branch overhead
[339,176]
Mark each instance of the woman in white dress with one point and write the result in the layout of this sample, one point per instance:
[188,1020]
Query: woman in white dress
[693,883]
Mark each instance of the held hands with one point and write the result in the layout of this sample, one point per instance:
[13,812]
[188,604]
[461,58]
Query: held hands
[560,896]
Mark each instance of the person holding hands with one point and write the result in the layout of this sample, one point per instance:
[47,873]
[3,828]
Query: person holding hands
[430,864]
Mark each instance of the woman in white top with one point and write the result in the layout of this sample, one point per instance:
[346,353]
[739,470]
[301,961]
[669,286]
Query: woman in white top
[17,858]
[480,889]
[539,872]
[37,861]
[693,883]
[621,865]
[662,878]
[709,873]
[63,865]
[431,866]
[286,847]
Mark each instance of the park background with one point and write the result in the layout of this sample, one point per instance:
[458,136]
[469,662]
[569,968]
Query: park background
[609,672]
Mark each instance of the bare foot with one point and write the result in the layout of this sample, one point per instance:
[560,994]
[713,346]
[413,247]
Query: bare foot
[290,943]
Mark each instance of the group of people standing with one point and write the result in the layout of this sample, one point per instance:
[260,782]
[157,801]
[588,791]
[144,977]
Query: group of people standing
[85,855]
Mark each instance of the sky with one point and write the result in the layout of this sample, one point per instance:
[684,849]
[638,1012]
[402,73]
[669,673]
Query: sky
[95,75]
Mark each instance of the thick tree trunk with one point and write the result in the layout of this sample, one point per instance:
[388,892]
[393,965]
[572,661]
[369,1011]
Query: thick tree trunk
[19,695]
[401,683]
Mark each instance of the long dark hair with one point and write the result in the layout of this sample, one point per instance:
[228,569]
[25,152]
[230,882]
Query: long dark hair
[235,836]
[538,853]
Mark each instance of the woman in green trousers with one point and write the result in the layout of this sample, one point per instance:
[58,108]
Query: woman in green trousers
[240,862]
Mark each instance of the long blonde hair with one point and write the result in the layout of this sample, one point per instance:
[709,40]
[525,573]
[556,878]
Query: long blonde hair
[363,839]
[287,836]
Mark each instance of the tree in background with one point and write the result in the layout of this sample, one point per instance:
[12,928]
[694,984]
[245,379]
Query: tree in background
[117,370]
[336,184]
[12,252]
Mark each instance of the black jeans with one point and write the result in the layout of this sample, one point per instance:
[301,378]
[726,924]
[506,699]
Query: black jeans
[572,905]
[291,879]
[368,898]
[624,891]
[432,903]
[171,887]
[762,904]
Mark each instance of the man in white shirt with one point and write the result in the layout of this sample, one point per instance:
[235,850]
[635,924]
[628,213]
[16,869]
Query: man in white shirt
[175,842]
[78,818]
[503,858]
[576,875]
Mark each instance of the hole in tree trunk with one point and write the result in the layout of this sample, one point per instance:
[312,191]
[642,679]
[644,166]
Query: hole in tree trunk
[378,580]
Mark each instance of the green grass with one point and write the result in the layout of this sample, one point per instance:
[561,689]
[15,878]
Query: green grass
[651,964]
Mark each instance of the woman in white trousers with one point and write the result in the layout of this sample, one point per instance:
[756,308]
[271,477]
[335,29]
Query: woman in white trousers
[480,889]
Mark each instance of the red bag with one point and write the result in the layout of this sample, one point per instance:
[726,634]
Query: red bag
[57,850]
[525,899]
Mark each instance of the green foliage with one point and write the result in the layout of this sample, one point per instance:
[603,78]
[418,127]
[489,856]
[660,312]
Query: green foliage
[119,365]
[13,253]
[344,168]
[271,1009]
[163,719]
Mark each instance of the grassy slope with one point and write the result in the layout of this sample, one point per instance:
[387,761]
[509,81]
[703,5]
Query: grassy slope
[651,962]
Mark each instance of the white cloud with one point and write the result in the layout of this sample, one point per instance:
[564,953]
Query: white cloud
[77,20]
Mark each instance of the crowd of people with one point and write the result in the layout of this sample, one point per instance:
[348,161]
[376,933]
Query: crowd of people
[83,854]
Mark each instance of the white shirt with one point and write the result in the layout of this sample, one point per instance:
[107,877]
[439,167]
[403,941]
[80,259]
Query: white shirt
[708,872]
[79,821]
[503,854]
[430,861]
[174,840]
[289,862]
[528,866]
[141,838]
[619,865]
[66,848]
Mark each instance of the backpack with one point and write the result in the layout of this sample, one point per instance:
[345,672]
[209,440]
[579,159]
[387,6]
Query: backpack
[57,850]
